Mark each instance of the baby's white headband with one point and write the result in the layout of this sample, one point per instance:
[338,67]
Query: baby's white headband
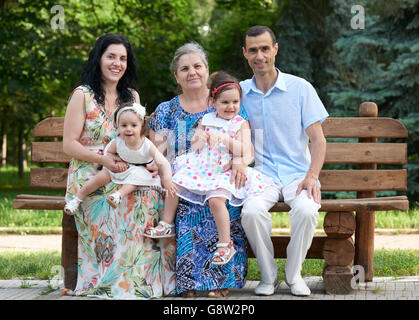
[136,107]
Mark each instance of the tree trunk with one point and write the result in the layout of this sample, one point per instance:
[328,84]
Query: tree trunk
[20,151]
[3,135]
[4,151]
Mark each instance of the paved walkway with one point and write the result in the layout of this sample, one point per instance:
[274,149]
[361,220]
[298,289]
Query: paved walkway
[401,288]
[28,243]
[382,288]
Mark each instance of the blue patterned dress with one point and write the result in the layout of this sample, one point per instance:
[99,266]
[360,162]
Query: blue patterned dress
[195,226]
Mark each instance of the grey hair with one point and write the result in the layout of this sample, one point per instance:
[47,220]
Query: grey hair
[188,48]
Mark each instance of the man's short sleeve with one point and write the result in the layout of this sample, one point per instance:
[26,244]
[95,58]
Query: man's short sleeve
[312,109]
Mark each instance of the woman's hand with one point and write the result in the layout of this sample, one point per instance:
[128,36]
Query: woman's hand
[217,138]
[114,163]
[199,139]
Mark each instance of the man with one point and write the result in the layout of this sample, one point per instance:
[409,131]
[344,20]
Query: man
[285,112]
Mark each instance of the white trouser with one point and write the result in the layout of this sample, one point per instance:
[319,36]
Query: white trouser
[257,223]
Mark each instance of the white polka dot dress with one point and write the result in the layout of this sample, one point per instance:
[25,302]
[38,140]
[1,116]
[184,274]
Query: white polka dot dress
[199,175]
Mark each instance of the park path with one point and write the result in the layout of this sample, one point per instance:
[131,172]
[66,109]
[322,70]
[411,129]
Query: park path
[30,243]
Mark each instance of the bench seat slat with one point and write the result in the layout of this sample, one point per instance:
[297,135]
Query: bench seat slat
[374,204]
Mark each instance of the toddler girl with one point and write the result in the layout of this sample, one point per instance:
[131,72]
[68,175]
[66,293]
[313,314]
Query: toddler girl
[199,175]
[137,151]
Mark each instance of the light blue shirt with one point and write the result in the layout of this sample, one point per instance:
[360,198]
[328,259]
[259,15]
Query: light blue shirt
[278,120]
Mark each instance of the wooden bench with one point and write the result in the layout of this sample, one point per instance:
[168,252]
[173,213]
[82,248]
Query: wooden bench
[337,248]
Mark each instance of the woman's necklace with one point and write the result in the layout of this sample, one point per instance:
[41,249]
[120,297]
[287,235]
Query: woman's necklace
[110,105]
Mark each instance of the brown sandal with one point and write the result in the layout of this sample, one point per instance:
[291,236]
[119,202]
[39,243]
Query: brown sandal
[188,294]
[218,293]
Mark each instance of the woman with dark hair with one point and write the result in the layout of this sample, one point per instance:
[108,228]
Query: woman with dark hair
[114,260]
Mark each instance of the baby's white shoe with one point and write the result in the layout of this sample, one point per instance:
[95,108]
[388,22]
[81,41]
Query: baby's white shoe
[71,207]
[114,199]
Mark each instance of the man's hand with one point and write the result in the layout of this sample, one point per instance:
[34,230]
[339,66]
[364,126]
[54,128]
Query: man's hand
[310,184]
[238,172]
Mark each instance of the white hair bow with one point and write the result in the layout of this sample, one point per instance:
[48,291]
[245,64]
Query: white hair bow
[136,107]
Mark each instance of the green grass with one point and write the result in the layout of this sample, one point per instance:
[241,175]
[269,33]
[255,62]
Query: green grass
[47,221]
[24,221]
[38,265]
[387,263]
[383,219]
[26,265]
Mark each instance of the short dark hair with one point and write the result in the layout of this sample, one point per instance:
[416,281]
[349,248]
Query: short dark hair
[257,31]
[92,74]
[219,78]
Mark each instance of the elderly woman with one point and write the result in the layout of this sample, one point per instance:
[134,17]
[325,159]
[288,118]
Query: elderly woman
[114,260]
[172,127]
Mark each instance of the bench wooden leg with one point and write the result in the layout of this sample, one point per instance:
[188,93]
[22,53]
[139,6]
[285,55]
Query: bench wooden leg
[69,251]
[338,252]
[364,242]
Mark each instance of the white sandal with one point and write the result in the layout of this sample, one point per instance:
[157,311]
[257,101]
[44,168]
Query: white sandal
[114,199]
[167,231]
[71,207]
[224,256]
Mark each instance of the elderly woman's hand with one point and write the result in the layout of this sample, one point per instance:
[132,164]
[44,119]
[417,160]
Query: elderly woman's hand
[199,139]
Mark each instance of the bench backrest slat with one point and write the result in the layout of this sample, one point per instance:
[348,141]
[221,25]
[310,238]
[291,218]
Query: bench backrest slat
[331,180]
[332,127]
[363,128]
[345,153]
[48,151]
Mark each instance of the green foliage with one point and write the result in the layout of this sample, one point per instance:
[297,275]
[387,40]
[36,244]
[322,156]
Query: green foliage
[40,66]
[380,63]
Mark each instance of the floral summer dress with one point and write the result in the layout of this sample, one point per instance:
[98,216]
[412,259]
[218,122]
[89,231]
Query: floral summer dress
[114,260]
[200,175]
